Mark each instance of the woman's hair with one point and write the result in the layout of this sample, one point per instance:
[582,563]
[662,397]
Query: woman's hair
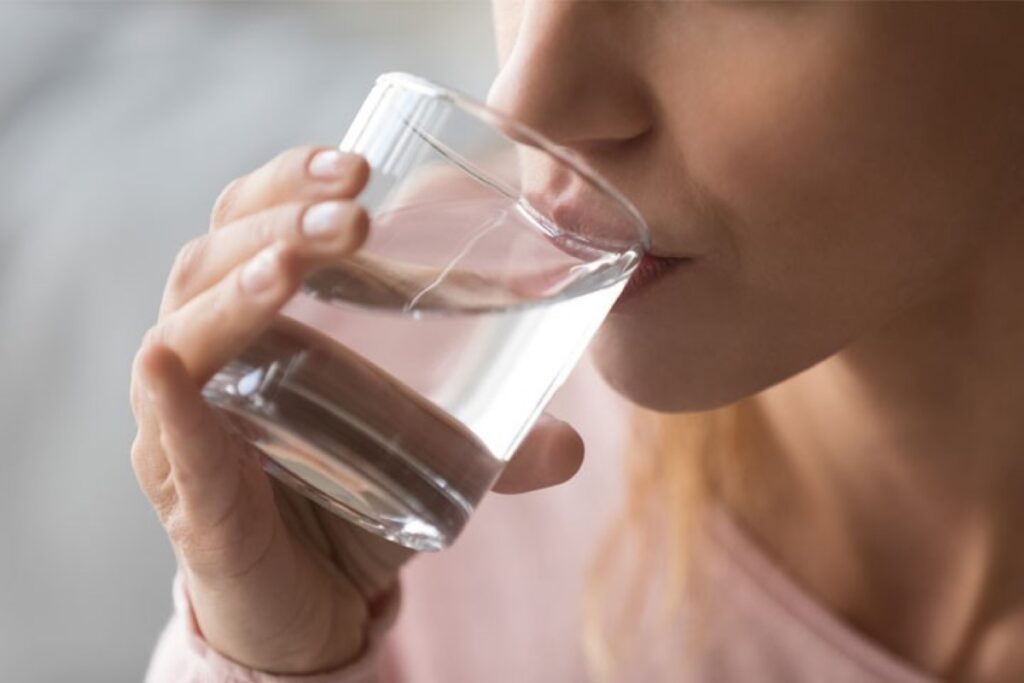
[675,464]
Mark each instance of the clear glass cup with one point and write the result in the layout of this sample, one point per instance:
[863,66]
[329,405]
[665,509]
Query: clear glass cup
[397,383]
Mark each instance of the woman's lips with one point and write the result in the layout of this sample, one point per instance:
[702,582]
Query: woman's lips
[650,269]
[590,218]
[579,220]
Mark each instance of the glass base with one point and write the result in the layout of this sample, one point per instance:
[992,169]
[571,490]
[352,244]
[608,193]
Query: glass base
[359,498]
[356,494]
[354,439]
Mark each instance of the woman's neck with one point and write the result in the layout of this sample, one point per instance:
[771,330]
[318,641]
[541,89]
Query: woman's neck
[890,477]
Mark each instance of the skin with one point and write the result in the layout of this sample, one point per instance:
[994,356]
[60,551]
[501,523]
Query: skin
[847,179]
[275,582]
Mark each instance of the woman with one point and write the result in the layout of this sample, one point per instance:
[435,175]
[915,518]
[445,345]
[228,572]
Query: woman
[830,380]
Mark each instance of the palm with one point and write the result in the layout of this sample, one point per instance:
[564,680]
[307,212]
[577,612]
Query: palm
[349,555]
[339,556]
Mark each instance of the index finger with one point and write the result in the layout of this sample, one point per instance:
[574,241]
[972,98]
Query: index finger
[310,173]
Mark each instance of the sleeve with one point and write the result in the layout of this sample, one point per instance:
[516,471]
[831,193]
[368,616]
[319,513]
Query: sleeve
[183,656]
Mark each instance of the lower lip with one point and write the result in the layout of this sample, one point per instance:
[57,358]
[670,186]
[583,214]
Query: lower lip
[648,271]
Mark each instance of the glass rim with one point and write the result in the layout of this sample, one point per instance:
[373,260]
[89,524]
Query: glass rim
[534,138]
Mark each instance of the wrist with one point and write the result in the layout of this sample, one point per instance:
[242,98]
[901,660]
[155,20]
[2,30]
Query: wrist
[302,636]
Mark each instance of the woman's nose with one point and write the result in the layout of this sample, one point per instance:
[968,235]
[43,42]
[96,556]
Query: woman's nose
[569,73]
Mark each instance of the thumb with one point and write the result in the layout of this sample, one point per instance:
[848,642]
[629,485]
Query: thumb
[549,455]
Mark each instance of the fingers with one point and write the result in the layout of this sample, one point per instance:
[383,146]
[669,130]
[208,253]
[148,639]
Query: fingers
[306,174]
[550,455]
[325,229]
[218,324]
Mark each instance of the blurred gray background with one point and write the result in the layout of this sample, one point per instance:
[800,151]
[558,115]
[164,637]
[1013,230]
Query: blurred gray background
[119,124]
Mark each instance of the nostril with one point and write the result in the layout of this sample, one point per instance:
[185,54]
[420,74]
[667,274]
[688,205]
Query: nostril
[506,121]
[592,120]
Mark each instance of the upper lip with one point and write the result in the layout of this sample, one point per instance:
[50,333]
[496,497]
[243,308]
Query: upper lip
[652,252]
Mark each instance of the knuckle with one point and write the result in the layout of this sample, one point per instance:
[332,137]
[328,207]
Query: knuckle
[283,224]
[234,309]
[156,334]
[182,532]
[258,231]
[165,501]
[137,359]
[144,346]
[266,229]
[221,308]
[151,470]
[140,454]
[285,169]
[137,399]
[224,204]
[186,263]
[281,171]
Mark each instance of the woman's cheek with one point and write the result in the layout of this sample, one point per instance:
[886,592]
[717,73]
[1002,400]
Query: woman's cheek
[781,143]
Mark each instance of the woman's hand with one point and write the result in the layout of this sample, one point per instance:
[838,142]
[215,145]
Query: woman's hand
[276,582]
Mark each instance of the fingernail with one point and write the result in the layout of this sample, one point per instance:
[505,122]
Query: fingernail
[327,164]
[323,220]
[261,271]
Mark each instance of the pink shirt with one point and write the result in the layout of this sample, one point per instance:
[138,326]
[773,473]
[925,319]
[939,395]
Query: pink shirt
[502,604]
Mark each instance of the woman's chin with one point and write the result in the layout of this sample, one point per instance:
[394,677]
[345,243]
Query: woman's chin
[656,374]
[638,375]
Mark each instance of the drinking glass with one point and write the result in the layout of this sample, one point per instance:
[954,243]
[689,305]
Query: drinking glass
[399,380]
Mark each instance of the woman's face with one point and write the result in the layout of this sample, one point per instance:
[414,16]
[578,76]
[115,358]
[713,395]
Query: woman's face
[827,166]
